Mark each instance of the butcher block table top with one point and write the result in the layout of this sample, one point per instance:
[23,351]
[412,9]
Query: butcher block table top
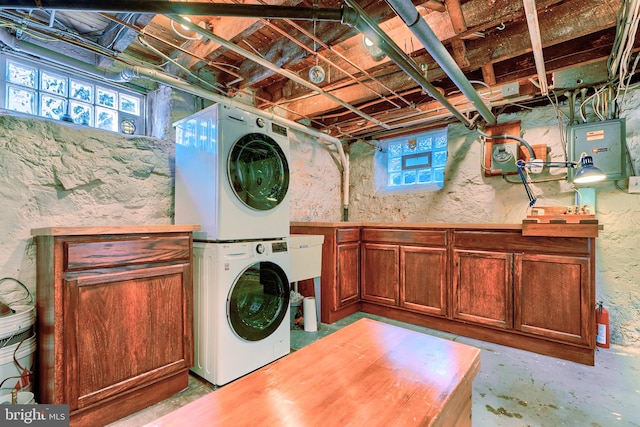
[366,374]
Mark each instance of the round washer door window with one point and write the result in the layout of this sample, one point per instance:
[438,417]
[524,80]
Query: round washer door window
[258,301]
[258,171]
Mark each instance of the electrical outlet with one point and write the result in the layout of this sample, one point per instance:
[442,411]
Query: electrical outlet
[634,184]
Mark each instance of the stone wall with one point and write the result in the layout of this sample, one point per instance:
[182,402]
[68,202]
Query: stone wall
[316,188]
[60,174]
[56,174]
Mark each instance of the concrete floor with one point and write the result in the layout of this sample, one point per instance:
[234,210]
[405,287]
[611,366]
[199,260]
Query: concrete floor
[514,388]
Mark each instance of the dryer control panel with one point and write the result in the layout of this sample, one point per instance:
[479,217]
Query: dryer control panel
[277,247]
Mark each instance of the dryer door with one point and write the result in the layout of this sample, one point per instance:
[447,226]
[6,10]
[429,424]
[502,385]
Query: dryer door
[258,301]
[258,171]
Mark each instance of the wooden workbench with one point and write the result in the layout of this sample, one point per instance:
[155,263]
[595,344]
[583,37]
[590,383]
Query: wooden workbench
[366,374]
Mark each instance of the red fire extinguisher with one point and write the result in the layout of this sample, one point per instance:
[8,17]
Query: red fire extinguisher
[602,322]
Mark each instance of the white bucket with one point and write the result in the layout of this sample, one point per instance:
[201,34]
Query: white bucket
[17,323]
[10,372]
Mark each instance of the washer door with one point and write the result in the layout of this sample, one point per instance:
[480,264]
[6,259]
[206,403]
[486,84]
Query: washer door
[258,301]
[258,171]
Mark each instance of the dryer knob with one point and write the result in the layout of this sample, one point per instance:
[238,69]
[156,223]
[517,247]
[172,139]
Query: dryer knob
[260,248]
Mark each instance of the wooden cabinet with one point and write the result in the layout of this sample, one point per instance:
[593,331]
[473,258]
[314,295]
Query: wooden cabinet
[114,318]
[491,282]
[340,277]
[405,268]
[536,286]
[482,288]
[553,297]
[380,273]
[347,288]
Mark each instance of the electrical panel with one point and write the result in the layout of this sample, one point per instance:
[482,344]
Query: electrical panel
[604,141]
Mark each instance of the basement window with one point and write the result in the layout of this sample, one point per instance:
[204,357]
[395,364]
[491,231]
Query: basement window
[413,162]
[39,90]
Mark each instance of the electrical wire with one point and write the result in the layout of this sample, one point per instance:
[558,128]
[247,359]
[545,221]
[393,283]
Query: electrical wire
[22,286]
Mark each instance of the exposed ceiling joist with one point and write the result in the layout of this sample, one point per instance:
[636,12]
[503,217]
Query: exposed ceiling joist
[490,44]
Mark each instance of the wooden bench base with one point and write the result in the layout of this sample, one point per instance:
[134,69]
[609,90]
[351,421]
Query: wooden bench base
[366,374]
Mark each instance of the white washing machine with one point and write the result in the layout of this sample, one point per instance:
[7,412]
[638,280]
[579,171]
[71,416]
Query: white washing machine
[232,175]
[241,307]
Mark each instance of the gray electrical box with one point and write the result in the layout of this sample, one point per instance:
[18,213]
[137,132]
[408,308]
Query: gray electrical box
[604,141]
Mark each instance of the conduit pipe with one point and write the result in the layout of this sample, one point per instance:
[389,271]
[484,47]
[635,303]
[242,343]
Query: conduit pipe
[129,73]
[352,15]
[358,18]
[416,23]
[259,60]
[173,9]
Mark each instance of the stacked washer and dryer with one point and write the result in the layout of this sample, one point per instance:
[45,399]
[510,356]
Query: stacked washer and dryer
[232,178]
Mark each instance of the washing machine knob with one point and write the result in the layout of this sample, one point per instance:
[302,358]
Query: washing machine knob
[260,122]
[260,248]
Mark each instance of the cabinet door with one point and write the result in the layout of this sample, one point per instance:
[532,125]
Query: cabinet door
[482,288]
[124,328]
[553,297]
[348,275]
[380,273]
[423,278]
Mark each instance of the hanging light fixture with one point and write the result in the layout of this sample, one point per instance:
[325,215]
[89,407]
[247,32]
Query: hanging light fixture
[372,48]
[316,73]
[184,31]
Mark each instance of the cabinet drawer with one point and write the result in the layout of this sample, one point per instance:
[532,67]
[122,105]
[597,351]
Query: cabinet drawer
[103,253]
[513,241]
[411,237]
[347,235]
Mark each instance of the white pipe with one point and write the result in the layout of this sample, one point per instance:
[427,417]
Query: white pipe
[419,27]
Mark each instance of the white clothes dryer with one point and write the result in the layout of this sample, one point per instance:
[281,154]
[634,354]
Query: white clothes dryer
[241,307]
[232,175]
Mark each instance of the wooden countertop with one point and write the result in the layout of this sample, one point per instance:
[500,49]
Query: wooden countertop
[367,374]
[406,225]
[109,229]
[529,228]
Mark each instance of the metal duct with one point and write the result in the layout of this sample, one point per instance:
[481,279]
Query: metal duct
[412,18]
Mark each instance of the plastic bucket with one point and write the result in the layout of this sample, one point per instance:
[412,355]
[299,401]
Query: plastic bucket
[14,326]
[11,375]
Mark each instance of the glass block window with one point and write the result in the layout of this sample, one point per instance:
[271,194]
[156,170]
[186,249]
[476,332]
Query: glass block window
[415,161]
[39,90]
[21,99]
